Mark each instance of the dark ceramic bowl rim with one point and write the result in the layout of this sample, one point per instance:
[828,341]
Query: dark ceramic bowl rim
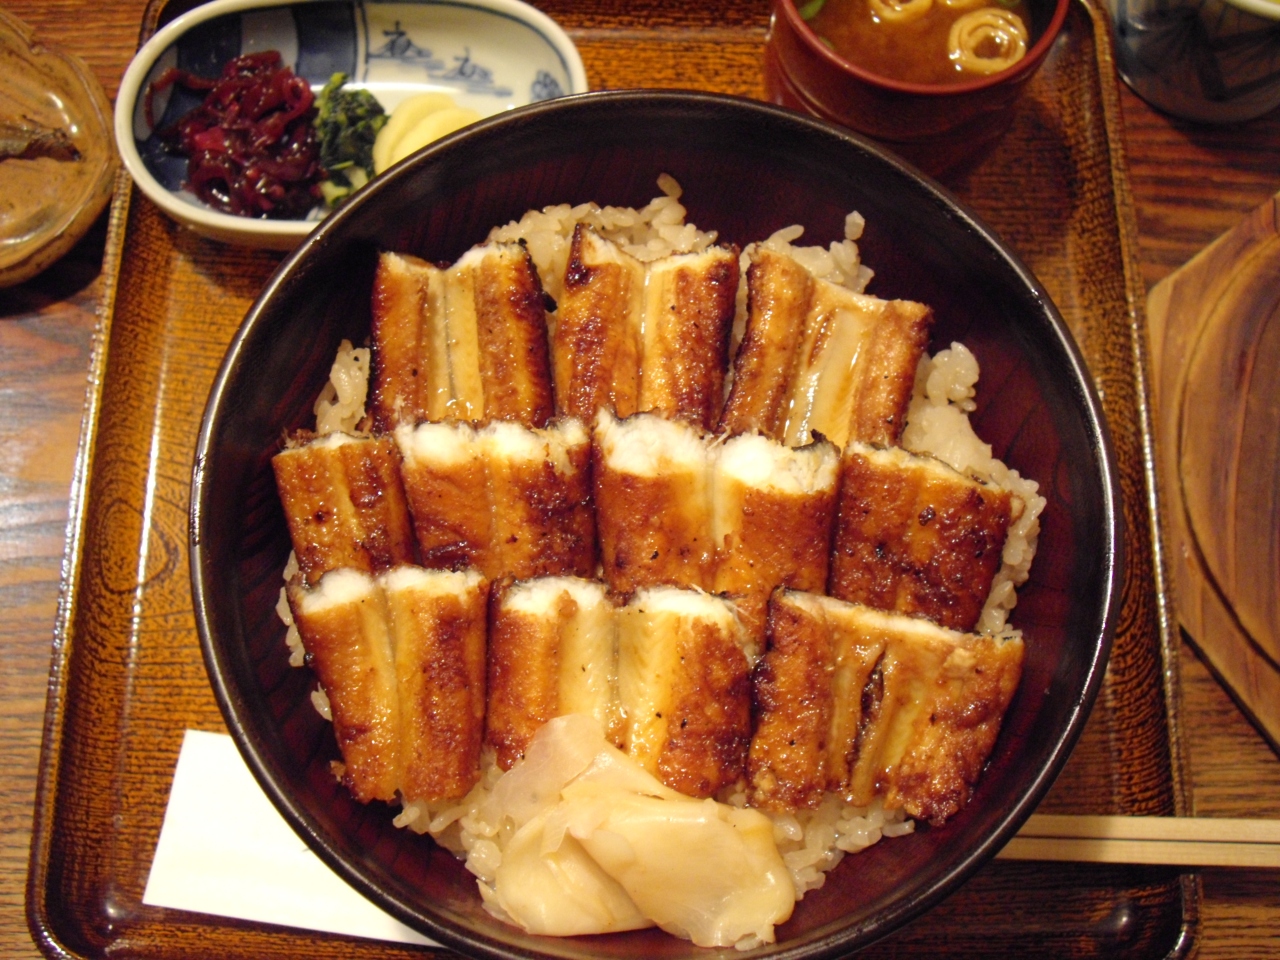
[834,944]
[1029,63]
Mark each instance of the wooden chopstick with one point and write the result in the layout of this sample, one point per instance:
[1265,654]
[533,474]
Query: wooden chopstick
[1175,841]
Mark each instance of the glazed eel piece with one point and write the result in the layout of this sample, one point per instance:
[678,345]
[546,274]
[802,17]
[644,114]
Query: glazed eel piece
[873,705]
[634,337]
[401,658]
[817,358]
[467,341]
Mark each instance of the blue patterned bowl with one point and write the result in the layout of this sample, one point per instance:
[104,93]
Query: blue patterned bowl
[488,55]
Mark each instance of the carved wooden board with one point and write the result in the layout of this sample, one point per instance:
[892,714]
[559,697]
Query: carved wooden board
[1215,333]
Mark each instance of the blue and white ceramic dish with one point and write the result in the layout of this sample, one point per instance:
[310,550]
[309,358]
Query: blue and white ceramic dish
[488,55]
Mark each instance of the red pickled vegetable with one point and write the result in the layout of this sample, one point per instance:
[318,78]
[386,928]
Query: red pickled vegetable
[251,147]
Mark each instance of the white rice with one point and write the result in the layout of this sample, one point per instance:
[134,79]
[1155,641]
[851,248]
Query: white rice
[652,232]
[813,842]
[340,406]
[659,229]
[297,655]
[320,700]
[839,263]
[456,826]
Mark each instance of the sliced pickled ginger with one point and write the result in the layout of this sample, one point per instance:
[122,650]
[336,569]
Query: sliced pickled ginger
[593,843]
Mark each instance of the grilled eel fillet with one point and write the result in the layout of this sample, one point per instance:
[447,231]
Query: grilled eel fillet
[410,345]
[917,537]
[818,358]
[738,518]
[438,625]
[869,704]
[631,337]
[344,504]
[343,624]
[552,651]
[772,520]
[653,482]
[667,675]
[597,341]
[689,305]
[508,499]
[469,341]
[401,658]
[684,682]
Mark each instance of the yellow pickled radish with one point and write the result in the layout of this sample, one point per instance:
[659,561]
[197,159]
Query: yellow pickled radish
[433,127]
[404,118]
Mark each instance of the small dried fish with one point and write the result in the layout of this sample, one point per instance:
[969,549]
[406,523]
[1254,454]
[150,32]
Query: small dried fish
[26,140]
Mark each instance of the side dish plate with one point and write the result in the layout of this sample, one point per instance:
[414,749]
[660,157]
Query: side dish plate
[488,55]
[46,203]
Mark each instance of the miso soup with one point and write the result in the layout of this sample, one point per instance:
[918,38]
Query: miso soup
[924,41]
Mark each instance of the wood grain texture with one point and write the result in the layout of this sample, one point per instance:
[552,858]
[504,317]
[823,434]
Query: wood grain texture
[46,327]
[130,673]
[1188,184]
[1214,352]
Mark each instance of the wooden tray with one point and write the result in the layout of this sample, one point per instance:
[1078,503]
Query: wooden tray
[127,676]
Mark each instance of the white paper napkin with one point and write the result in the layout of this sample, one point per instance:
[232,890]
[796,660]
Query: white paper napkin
[225,850]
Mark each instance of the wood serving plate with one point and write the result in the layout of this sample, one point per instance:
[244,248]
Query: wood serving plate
[1215,335]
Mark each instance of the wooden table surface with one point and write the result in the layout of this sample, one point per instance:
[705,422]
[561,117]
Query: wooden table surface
[1189,184]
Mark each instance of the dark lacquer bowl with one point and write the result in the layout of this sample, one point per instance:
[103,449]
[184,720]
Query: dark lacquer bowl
[747,169]
[939,128]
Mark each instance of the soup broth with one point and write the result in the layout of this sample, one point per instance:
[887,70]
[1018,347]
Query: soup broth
[924,41]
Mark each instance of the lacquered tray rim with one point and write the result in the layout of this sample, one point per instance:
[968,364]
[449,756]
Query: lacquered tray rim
[39,921]
[1162,589]
[42,923]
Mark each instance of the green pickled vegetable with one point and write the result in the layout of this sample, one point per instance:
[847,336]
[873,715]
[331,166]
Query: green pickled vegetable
[347,123]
